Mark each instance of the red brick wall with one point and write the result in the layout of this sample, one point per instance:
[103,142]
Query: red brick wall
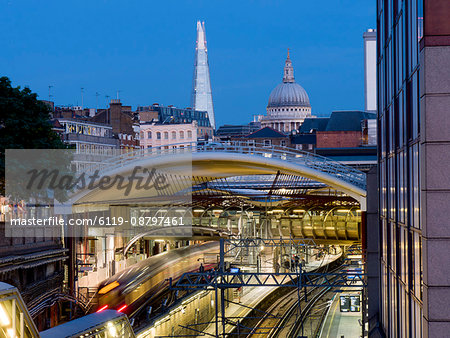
[338,139]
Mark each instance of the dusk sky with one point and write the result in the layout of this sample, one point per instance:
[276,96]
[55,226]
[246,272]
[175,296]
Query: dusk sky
[145,49]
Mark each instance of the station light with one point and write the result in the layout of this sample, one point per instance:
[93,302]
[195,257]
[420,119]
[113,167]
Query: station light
[298,210]
[343,210]
[197,210]
[112,329]
[278,210]
[4,318]
[11,333]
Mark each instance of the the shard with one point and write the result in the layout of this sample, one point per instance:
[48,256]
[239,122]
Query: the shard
[201,89]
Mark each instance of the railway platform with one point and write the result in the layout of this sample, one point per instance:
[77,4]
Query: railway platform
[341,324]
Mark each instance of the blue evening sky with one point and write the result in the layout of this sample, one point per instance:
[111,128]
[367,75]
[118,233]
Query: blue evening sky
[145,49]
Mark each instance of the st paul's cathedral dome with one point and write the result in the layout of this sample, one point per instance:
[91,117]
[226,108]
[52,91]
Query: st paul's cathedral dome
[288,103]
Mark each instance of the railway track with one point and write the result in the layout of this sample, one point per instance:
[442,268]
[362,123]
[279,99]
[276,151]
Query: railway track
[295,325]
[286,317]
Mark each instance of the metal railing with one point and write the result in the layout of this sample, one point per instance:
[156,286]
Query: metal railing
[310,160]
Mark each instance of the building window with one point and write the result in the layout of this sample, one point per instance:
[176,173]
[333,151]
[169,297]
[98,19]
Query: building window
[166,135]
[174,135]
[267,143]
[283,143]
[149,134]
[189,134]
[158,135]
[182,135]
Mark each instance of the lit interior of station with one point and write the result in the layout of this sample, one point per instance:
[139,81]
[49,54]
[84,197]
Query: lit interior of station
[257,221]
[228,191]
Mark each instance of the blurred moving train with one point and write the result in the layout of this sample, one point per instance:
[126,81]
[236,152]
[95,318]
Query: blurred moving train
[130,289]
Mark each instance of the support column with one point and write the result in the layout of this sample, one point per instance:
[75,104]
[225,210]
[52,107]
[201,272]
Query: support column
[371,243]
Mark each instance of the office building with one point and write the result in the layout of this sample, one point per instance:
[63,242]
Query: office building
[93,142]
[370,70]
[201,89]
[413,70]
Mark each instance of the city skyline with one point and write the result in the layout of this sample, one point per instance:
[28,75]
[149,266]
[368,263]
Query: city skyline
[283,174]
[137,59]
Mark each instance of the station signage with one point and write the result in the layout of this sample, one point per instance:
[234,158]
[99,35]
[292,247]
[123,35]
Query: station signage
[350,303]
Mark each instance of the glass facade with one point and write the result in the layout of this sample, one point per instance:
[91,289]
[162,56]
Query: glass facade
[399,27]
[201,88]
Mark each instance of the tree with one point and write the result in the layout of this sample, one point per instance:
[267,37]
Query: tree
[24,123]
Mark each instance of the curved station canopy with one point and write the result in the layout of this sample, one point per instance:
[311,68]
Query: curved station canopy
[215,161]
[240,177]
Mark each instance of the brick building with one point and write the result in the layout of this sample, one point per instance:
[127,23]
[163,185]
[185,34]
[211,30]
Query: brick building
[32,260]
[343,129]
[123,122]
[267,137]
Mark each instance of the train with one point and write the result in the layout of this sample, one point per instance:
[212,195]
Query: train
[136,286]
